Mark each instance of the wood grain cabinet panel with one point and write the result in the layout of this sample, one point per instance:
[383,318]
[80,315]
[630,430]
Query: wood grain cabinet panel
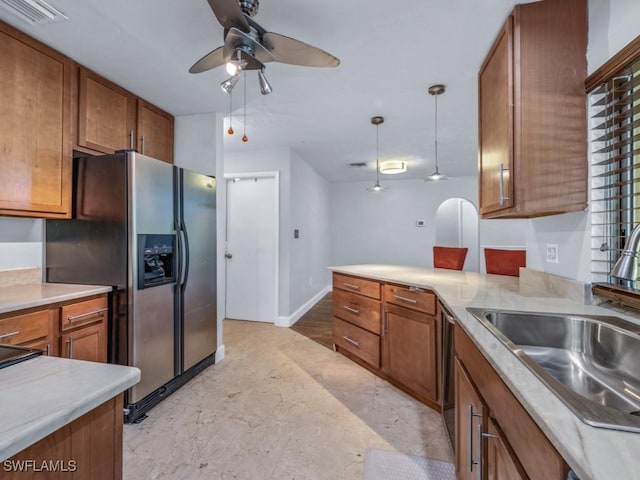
[90,447]
[35,138]
[409,342]
[364,345]
[106,114]
[86,343]
[410,297]
[532,113]
[521,447]
[155,132]
[82,313]
[25,328]
[357,309]
[362,286]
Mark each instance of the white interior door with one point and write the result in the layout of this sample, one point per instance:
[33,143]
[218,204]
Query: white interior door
[252,248]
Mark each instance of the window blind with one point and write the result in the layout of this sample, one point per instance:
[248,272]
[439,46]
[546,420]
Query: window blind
[614,108]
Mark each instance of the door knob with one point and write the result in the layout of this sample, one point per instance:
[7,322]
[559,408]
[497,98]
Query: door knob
[228,255]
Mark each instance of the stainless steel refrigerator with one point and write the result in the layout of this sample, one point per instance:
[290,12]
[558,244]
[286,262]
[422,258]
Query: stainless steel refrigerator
[148,229]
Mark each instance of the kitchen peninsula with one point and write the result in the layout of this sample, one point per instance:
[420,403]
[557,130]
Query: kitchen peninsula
[593,453]
[59,415]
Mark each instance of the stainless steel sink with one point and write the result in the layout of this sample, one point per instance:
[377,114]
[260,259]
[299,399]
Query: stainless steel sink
[591,363]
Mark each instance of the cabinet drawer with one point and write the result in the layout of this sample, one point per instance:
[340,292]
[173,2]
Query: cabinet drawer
[357,341]
[410,297]
[361,311]
[82,313]
[369,288]
[24,328]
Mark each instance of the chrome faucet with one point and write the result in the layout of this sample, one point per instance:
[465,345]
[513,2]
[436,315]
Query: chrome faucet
[627,265]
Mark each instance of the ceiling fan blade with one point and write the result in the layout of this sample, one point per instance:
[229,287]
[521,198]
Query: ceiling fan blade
[210,60]
[295,52]
[229,14]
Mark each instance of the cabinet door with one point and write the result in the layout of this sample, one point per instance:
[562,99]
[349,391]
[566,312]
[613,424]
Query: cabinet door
[155,132]
[502,463]
[88,343]
[410,349]
[495,91]
[106,114]
[35,141]
[470,414]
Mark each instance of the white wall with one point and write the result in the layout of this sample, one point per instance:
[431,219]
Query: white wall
[303,205]
[20,242]
[310,216]
[380,227]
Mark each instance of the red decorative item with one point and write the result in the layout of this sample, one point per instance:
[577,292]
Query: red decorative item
[451,258]
[505,262]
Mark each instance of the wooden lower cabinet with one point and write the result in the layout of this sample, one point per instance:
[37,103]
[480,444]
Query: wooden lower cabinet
[86,343]
[493,429]
[90,447]
[470,414]
[409,342]
[502,463]
[392,330]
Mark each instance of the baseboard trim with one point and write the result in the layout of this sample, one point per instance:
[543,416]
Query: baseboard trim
[287,321]
[220,353]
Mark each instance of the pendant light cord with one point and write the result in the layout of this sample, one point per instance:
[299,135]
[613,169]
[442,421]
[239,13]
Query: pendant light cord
[436,129]
[378,154]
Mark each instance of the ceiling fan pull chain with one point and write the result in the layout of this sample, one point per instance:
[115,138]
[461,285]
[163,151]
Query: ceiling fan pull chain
[230,131]
[244,137]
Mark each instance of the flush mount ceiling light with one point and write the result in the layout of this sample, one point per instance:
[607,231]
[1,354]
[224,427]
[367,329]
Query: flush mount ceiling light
[436,176]
[393,167]
[377,187]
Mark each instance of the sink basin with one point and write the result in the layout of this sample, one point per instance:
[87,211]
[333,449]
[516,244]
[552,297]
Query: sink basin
[592,363]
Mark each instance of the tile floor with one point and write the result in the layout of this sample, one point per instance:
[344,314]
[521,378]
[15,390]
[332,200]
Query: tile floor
[279,406]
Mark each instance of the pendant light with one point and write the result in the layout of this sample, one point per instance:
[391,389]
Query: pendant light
[436,176]
[377,187]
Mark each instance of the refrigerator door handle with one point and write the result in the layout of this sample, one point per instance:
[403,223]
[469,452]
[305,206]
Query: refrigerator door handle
[185,253]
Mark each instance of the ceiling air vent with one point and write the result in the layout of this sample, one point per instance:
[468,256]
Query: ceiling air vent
[357,164]
[34,12]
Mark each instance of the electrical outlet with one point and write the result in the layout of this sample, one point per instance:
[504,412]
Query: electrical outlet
[552,253]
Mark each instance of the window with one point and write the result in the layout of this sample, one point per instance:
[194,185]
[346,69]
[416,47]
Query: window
[614,109]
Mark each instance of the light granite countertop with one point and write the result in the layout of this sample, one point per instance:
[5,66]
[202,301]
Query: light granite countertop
[18,297]
[593,453]
[40,395]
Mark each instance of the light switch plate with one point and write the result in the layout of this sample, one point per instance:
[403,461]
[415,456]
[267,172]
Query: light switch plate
[552,253]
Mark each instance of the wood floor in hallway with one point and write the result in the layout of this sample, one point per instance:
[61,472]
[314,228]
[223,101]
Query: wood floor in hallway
[316,323]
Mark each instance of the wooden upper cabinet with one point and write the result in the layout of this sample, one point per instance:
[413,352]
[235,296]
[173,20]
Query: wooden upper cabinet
[35,138]
[532,113]
[106,114]
[155,132]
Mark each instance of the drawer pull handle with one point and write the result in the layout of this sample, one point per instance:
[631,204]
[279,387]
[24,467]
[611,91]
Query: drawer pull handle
[352,286]
[352,341]
[73,318]
[417,289]
[405,299]
[10,334]
[351,309]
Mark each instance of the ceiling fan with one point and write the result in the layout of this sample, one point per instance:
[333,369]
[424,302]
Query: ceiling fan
[248,46]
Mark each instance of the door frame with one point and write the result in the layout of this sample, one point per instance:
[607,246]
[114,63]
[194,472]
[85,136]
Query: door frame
[229,177]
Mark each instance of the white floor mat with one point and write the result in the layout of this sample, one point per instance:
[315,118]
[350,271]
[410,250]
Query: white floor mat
[384,465]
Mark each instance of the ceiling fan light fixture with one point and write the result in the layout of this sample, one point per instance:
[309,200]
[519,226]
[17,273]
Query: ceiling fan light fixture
[234,66]
[265,86]
[436,176]
[393,167]
[229,83]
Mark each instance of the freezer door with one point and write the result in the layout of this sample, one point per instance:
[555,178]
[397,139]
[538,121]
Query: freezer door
[198,213]
[152,328]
